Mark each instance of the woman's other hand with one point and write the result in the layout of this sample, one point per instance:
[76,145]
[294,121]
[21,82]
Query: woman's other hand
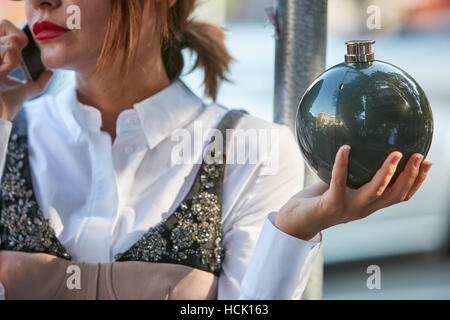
[321,206]
[13,92]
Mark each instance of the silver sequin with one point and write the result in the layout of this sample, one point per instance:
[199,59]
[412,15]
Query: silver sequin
[196,232]
[23,226]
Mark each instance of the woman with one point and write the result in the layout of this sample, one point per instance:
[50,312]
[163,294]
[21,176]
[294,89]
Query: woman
[124,220]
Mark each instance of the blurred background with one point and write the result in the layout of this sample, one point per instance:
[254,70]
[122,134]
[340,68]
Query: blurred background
[410,241]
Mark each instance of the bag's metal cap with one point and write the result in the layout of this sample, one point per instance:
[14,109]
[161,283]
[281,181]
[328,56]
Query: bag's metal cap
[359,51]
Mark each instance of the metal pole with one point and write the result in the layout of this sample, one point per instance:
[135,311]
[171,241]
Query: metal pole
[301,27]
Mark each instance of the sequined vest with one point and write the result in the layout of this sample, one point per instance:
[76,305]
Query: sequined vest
[190,236]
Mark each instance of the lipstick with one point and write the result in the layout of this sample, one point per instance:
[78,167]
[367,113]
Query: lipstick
[45,30]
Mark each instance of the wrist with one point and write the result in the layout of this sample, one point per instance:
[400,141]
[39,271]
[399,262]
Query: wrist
[302,220]
[7,113]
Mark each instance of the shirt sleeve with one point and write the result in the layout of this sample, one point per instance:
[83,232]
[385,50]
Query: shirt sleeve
[261,261]
[2,292]
[5,131]
[280,266]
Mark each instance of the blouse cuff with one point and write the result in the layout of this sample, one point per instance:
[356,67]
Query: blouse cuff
[280,265]
[5,131]
[2,292]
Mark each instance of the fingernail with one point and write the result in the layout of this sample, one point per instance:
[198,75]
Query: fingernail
[418,161]
[396,159]
[427,169]
[346,150]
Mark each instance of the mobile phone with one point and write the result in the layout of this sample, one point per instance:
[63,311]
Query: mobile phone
[32,65]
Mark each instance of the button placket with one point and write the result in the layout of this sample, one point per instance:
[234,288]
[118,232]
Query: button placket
[128,154]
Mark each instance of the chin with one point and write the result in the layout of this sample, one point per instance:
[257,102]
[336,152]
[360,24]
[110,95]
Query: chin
[56,59]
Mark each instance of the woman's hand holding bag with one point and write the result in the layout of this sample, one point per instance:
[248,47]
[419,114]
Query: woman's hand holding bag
[321,206]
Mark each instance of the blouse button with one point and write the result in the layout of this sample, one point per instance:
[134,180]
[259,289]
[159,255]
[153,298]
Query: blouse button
[129,150]
[133,120]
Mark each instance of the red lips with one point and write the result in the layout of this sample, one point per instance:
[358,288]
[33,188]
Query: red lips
[44,30]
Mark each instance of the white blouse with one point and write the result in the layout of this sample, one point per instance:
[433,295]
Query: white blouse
[101,197]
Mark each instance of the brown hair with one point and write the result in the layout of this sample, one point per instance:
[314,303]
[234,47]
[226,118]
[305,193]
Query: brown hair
[178,31]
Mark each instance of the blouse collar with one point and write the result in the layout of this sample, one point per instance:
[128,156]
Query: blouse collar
[159,115]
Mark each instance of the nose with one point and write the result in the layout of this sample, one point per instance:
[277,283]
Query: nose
[45,4]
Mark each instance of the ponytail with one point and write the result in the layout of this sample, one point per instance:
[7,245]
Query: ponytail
[203,39]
